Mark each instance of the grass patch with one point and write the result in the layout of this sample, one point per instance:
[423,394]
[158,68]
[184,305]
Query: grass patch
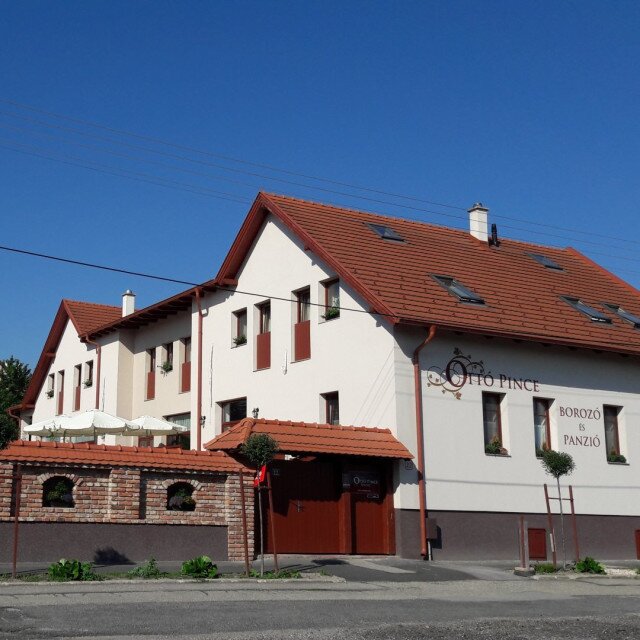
[283,574]
[148,571]
[544,567]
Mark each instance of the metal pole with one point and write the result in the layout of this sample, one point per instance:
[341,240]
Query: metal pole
[245,538]
[523,560]
[16,518]
[551,531]
[575,524]
[273,524]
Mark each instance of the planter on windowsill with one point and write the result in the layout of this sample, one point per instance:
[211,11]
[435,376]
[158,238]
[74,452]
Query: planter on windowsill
[616,458]
[166,367]
[331,313]
[88,383]
[240,340]
[495,448]
[50,394]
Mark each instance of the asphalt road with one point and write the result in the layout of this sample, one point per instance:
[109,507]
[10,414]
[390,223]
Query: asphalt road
[500,610]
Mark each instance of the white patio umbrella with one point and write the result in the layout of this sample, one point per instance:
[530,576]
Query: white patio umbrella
[94,422]
[150,426]
[48,427]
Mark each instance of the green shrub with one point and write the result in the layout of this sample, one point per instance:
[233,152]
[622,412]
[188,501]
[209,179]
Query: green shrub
[66,570]
[589,565]
[544,567]
[616,457]
[200,567]
[149,570]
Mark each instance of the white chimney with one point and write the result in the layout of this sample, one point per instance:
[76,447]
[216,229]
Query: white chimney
[479,222]
[128,302]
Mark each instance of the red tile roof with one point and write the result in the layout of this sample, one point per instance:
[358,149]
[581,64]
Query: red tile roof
[57,453]
[522,296]
[304,437]
[86,316]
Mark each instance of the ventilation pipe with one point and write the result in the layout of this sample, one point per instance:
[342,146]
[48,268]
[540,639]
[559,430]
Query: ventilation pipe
[479,222]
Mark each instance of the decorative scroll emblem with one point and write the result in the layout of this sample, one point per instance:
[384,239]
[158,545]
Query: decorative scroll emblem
[456,373]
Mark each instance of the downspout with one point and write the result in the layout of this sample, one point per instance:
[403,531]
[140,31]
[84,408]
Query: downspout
[98,367]
[199,388]
[422,493]
[16,418]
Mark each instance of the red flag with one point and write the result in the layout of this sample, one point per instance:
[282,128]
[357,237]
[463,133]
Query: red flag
[260,476]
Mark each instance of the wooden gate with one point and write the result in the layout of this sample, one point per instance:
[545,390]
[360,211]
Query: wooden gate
[537,544]
[330,506]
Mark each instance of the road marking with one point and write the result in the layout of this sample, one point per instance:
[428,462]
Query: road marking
[368,564]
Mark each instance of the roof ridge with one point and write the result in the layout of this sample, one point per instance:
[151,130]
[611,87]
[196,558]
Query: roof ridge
[94,304]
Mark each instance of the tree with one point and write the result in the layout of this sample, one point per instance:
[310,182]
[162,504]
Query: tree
[558,464]
[14,380]
[259,449]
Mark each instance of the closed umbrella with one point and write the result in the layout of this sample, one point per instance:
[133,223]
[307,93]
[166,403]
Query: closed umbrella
[150,426]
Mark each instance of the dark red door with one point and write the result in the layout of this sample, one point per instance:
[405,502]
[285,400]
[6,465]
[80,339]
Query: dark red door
[306,498]
[369,511]
[537,544]
[638,543]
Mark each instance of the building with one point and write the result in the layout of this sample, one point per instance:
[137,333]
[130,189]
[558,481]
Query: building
[475,352]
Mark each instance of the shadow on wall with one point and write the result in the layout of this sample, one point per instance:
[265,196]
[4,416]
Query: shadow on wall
[109,555]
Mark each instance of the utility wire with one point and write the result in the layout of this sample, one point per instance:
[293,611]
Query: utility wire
[193,188]
[156,140]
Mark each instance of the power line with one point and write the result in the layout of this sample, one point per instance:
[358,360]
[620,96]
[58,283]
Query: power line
[156,140]
[196,188]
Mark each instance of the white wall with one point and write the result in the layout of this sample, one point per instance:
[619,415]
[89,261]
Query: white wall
[70,353]
[352,354]
[460,476]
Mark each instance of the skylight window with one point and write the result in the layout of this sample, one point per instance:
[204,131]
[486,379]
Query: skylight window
[629,317]
[545,261]
[594,314]
[459,290]
[386,233]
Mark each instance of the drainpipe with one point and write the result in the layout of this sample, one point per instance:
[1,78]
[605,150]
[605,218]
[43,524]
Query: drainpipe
[199,391]
[422,494]
[15,417]
[98,367]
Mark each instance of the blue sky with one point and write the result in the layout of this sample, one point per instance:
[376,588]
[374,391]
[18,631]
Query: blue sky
[530,107]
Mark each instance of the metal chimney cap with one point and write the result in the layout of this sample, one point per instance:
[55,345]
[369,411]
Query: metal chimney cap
[478,205]
[128,292]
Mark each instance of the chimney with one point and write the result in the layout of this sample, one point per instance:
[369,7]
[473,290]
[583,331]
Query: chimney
[478,222]
[128,302]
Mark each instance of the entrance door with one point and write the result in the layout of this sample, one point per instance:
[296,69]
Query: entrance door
[306,498]
[638,543]
[537,544]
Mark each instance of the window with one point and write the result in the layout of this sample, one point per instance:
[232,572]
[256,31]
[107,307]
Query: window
[182,440]
[629,317]
[591,312]
[58,492]
[151,374]
[60,405]
[331,408]
[145,441]
[611,434]
[180,497]
[492,423]
[185,367]
[459,290]
[88,374]
[545,261]
[331,299]
[239,327]
[541,425]
[302,325]
[265,317]
[50,385]
[263,337]
[167,357]
[77,386]
[232,412]
[386,233]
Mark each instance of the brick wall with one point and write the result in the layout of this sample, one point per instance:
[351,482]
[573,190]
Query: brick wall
[125,495]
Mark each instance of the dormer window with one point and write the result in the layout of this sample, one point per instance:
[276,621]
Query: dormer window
[594,314]
[459,290]
[629,317]
[386,233]
[545,261]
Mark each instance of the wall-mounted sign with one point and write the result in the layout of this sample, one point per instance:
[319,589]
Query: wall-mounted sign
[462,370]
[364,483]
[583,418]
